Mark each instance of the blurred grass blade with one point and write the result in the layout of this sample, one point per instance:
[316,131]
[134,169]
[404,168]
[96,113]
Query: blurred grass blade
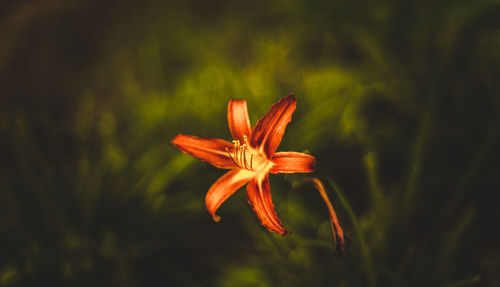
[370,162]
[471,171]
[465,282]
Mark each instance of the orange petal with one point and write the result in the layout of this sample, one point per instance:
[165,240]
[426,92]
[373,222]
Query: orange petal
[259,197]
[269,130]
[210,150]
[224,187]
[237,117]
[338,234]
[292,162]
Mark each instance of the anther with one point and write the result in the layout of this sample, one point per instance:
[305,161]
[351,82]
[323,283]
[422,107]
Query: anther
[242,152]
[236,146]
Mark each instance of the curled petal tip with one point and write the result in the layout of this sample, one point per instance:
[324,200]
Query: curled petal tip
[223,188]
[216,217]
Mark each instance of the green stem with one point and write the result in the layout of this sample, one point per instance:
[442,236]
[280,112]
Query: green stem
[365,251]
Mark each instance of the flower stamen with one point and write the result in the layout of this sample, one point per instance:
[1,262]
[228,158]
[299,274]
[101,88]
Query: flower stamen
[239,157]
[242,152]
[236,146]
[231,157]
[244,156]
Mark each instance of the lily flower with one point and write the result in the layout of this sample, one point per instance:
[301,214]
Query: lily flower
[250,157]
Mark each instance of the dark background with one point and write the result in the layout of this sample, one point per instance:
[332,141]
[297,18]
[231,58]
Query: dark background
[398,100]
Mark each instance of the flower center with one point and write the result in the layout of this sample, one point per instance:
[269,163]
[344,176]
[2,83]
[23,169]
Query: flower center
[245,157]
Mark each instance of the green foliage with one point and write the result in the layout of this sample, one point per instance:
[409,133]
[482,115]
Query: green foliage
[398,100]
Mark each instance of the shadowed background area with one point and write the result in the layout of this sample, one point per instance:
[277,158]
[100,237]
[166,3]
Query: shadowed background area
[398,100]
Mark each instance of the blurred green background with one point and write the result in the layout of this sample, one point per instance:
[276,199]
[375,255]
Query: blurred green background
[398,100]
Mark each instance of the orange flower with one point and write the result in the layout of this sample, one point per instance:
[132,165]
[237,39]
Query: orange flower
[250,157]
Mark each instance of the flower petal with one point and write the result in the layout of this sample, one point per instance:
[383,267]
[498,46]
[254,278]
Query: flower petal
[224,187]
[237,117]
[269,130]
[338,234]
[292,162]
[210,150]
[259,197]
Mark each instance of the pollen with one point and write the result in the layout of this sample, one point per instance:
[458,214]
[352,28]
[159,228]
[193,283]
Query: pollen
[239,155]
